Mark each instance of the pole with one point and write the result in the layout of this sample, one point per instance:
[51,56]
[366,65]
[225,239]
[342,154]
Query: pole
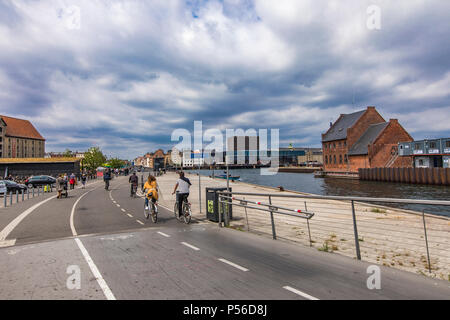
[228,180]
[426,241]
[355,229]
[220,213]
[246,217]
[274,234]
[5,196]
[199,190]
[309,230]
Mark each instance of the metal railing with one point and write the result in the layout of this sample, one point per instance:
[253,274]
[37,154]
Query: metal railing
[337,205]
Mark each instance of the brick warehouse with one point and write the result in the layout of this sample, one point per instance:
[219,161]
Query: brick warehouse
[363,139]
[20,139]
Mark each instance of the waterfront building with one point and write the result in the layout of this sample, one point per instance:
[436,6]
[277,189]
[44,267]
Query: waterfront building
[154,160]
[363,139]
[312,156]
[429,153]
[20,139]
[290,156]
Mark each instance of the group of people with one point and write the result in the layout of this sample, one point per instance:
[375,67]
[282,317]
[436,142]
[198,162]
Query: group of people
[150,189]
[64,180]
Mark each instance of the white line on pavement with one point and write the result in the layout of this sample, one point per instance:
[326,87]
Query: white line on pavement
[163,234]
[13,224]
[72,213]
[233,264]
[101,282]
[190,246]
[138,221]
[123,210]
[129,215]
[7,243]
[304,295]
[118,205]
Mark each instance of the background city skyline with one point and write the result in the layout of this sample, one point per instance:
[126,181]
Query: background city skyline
[124,75]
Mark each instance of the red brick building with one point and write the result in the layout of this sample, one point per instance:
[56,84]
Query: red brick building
[362,139]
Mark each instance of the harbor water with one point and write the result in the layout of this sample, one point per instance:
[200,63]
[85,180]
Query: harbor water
[306,182]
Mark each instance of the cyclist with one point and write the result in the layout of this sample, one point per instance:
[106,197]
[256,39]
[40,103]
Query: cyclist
[150,190]
[106,178]
[134,182]
[182,185]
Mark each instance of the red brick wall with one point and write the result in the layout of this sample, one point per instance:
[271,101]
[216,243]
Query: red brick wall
[360,161]
[380,150]
[403,162]
[338,148]
[371,116]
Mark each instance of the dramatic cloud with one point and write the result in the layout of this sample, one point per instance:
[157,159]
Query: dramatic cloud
[124,74]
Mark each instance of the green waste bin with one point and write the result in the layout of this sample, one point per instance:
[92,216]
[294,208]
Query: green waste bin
[213,207]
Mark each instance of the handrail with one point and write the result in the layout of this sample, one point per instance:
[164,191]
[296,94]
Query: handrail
[347,198]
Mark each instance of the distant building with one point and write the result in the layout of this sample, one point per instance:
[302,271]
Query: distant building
[312,156]
[363,139]
[20,139]
[431,153]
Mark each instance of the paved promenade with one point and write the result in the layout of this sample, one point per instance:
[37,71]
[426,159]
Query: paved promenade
[388,236]
[102,237]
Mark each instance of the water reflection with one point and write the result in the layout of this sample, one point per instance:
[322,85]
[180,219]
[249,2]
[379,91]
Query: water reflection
[305,182]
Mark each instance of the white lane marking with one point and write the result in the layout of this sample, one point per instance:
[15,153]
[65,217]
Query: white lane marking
[163,234]
[123,210]
[101,282]
[72,213]
[129,215]
[300,293]
[13,224]
[118,205]
[7,243]
[114,201]
[233,264]
[139,221]
[190,246]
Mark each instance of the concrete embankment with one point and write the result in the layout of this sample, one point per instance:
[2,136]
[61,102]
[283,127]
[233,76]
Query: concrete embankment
[387,236]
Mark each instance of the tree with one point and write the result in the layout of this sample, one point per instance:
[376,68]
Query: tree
[93,158]
[116,163]
[67,153]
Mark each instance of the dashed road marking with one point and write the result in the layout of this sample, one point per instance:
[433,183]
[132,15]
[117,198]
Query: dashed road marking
[233,264]
[129,215]
[7,243]
[118,205]
[190,246]
[139,221]
[123,210]
[300,293]
[163,234]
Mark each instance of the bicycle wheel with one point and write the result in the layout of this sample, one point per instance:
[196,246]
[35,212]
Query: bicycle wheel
[154,213]
[175,211]
[186,213]
[146,213]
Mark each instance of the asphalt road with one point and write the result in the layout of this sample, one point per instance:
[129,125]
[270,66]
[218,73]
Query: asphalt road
[118,254]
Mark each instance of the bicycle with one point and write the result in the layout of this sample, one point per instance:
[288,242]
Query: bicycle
[152,210]
[185,209]
[133,190]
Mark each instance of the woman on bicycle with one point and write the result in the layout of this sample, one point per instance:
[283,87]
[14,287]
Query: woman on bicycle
[150,190]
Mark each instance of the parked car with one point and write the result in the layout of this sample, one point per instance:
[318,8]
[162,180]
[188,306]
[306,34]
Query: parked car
[39,181]
[3,188]
[13,186]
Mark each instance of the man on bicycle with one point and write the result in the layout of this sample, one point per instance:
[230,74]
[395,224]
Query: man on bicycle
[182,185]
[107,178]
[134,183]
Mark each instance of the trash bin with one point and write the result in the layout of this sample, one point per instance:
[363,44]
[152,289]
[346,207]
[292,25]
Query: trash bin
[213,207]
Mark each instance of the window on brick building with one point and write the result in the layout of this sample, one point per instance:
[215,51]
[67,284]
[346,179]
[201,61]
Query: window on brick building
[345,158]
[326,160]
[334,158]
[340,158]
[345,143]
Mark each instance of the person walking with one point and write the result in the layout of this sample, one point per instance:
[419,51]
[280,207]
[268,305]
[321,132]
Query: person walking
[83,180]
[72,181]
[60,185]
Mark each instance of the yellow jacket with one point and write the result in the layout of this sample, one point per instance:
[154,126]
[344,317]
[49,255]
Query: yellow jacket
[151,187]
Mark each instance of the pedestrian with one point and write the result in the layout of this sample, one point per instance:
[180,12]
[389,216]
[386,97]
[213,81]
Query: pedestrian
[83,180]
[60,185]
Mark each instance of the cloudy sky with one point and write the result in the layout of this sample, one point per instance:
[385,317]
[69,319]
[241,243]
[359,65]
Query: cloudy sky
[124,74]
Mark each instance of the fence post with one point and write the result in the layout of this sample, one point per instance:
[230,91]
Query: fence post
[5,196]
[355,229]
[17,196]
[309,231]
[426,241]
[33,191]
[274,234]
[246,217]
[23,194]
[10,197]
[220,212]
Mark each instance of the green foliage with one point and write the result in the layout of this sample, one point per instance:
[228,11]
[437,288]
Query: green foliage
[93,158]
[116,163]
[67,153]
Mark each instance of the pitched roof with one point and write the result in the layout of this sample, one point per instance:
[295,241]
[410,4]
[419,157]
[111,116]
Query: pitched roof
[338,130]
[372,132]
[20,128]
